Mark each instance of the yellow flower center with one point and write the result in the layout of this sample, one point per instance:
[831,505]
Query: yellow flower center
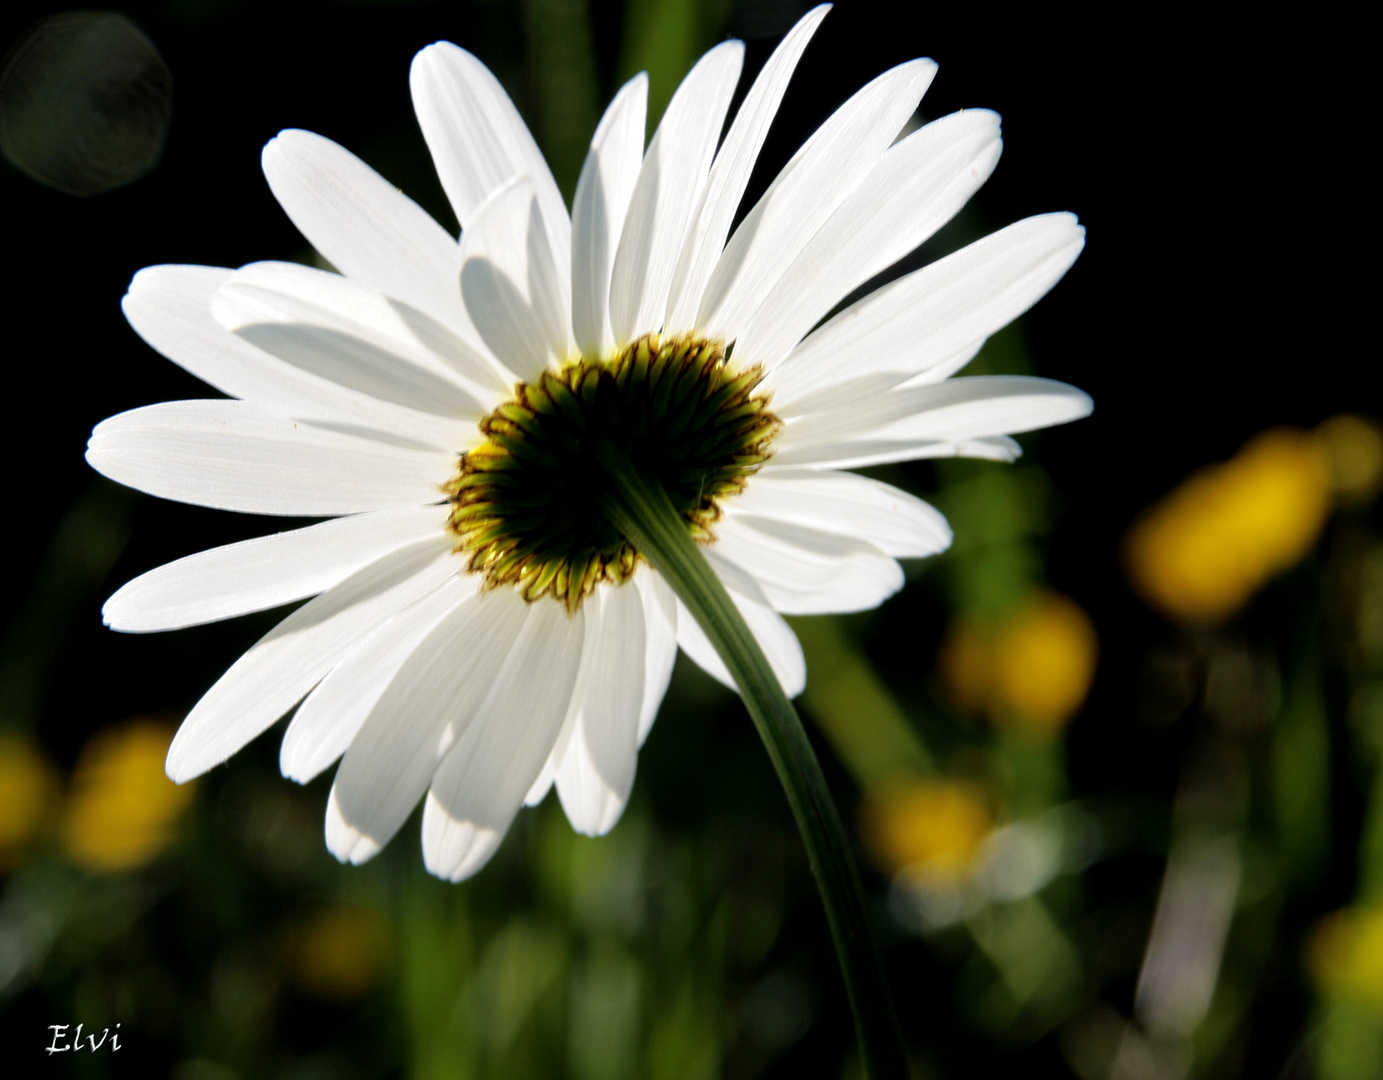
[527,503]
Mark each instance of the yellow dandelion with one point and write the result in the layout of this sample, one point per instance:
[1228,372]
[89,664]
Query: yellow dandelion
[1201,552]
[123,810]
[930,829]
[1029,673]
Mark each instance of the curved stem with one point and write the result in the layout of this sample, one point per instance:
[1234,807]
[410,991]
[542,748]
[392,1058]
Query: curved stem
[642,512]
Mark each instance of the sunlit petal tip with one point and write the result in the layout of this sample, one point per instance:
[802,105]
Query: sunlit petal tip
[455,849]
[344,840]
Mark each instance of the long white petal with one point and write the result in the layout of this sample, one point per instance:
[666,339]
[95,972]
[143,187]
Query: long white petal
[233,455]
[447,414]
[598,211]
[922,320]
[509,285]
[914,189]
[289,294]
[363,225]
[478,141]
[325,724]
[669,185]
[897,523]
[596,773]
[829,395]
[775,637]
[481,782]
[694,642]
[730,173]
[660,623]
[660,654]
[287,662]
[944,369]
[823,172]
[779,643]
[951,411]
[170,308]
[805,571]
[258,574]
[429,704]
[861,453]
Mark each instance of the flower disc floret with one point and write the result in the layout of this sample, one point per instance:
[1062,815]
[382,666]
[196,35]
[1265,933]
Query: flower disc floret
[528,504]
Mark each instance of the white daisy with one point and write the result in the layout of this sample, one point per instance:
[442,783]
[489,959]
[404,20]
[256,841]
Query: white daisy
[478,631]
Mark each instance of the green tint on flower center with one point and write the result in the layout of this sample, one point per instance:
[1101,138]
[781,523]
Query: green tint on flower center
[526,503]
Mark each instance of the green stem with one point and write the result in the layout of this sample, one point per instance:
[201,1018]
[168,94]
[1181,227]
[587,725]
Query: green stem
[643,513]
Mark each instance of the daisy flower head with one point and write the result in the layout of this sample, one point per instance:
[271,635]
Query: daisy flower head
[479,628]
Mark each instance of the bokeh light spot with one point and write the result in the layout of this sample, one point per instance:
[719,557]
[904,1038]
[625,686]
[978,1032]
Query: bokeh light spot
[1346,954]
[85,102]
[342,952]
[1354,448]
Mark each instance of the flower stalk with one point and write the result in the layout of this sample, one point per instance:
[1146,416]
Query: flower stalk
[641,510]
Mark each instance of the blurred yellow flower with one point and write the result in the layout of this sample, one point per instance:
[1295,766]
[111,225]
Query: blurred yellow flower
[1346,954]
[1354,448]
[341,952]
[123,810]
[1201,552]
[930,829]
[1029,673]
[28,787]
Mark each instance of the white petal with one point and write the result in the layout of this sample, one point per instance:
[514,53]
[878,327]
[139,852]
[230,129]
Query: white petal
[698,647]
[446,415]
[950,411]
[233,455]
[779,643]
[660,624]
[170,308]
[293,657]
[669,185]
[823,172]
[483,778]
[258,574]
[596,773]
[861,453]
[805,571]
[914,189]
[431,701]
[363,225]
[541,786]
[923,320]
[479,142]
[288,294]
[872,384]
[730,173]
[660,653]
[775,637]
[894,521]
[509,285]
[597,213]
[944,369]
[325,724]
